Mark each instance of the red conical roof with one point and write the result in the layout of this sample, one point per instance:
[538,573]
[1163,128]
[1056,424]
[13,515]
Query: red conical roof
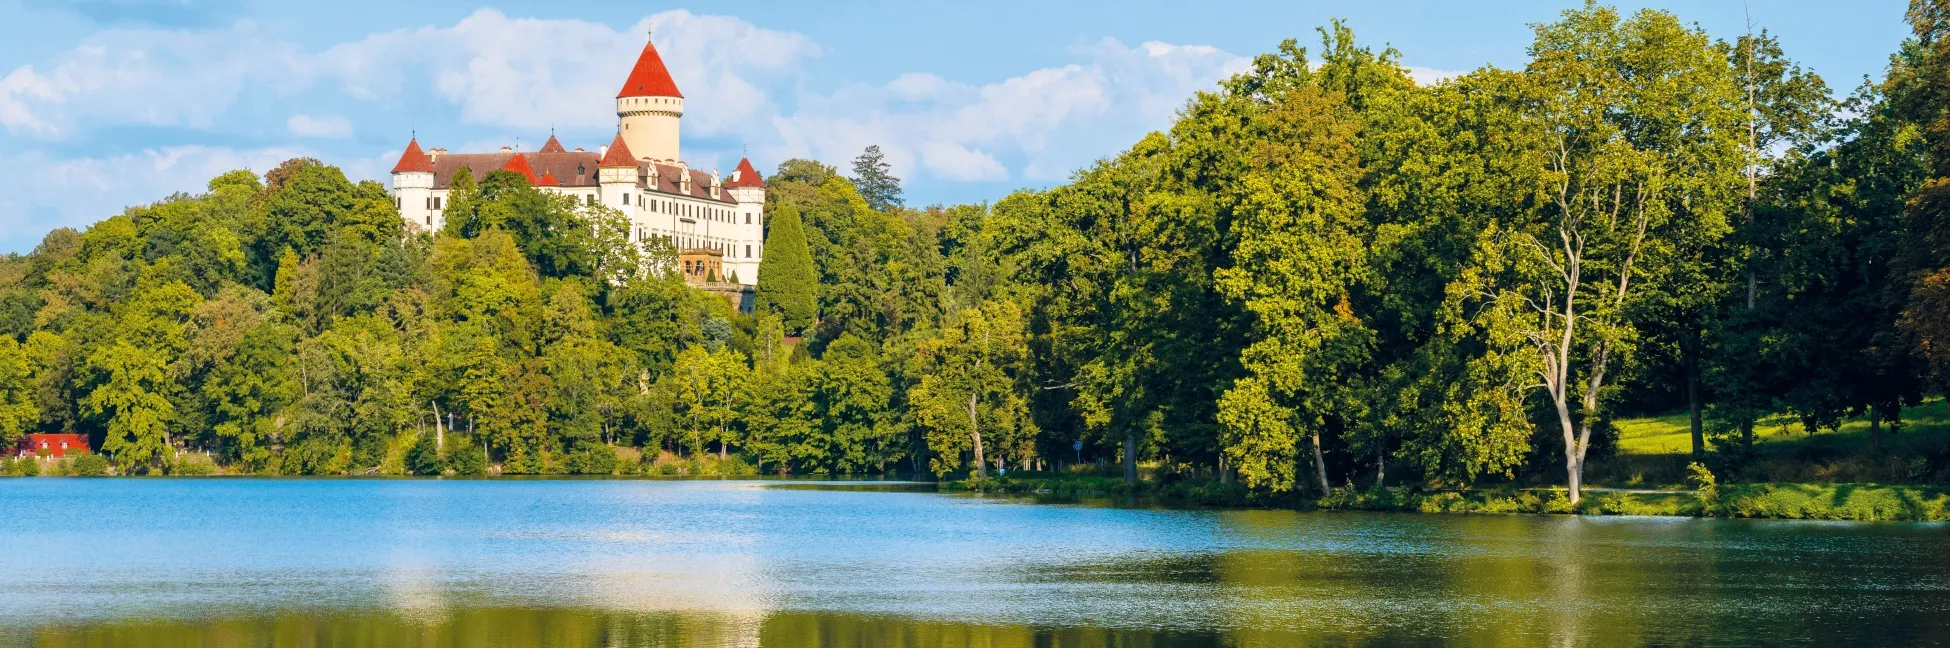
[649,78]
[618,154]
[553,145]
[413,160]
[519,164]
[745,176]
[547,180]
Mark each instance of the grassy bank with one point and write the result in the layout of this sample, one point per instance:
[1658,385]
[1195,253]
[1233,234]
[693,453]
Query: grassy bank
[1863,502]
[1654,450]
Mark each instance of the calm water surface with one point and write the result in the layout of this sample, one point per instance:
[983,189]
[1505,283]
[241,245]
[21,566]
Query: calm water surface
[248,562]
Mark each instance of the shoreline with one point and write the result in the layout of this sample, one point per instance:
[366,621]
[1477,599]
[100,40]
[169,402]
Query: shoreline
[1852,502]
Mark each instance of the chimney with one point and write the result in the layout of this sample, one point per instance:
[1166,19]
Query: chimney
[601,150]
[436,153]
[505,149]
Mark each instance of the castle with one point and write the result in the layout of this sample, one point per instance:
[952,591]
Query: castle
[717,224]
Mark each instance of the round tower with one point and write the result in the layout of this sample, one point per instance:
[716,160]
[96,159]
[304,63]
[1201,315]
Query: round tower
[413,188]
[649,107]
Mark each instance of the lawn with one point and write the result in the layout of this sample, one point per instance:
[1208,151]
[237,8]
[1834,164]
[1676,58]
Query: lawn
[1653,451]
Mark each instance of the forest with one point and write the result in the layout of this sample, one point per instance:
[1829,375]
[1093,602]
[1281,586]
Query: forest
[1322,274]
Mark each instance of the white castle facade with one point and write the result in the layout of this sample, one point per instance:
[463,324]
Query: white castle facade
[717,223]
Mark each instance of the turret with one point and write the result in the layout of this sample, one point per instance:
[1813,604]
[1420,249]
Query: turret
[413,187]
[616,177]
[649,107]
[747,188]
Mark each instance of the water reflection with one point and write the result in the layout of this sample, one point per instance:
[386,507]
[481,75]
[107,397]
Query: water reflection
[591,563]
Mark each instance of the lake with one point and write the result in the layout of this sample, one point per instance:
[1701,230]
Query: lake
[299,562]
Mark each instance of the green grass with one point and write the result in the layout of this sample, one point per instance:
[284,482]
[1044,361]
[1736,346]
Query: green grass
[1927,425]
[1653,451]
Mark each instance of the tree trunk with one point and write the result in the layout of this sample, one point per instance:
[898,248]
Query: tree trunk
[1381,464]
[1572,466]
[1320,464]
[439,432]
[1130,457]
[975,434]
[1875,429]
[1694,402]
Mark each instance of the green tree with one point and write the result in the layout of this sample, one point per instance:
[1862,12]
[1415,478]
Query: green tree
[19,411]
[969,397]
[788,285]
[876,180]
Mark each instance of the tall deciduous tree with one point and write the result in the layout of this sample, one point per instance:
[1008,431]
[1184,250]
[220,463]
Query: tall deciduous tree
[1639,147]
[969,397]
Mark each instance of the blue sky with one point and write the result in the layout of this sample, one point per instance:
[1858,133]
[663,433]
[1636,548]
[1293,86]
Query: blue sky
[107,103]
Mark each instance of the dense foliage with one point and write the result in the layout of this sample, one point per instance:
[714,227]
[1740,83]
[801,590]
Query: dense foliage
[1323,272]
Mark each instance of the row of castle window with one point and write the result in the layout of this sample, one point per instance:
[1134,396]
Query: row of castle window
[432,203]
[681,209]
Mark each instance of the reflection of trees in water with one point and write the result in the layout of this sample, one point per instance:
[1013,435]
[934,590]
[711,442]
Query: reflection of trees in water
[496,627]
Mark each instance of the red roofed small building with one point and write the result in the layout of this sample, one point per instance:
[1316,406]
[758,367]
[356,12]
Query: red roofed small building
[641,173]
[52,445]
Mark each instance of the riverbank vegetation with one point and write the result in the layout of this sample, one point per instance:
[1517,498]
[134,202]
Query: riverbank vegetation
[1323,279]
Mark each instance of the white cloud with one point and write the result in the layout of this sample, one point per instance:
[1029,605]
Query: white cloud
[39,193]
[533,74]
[147,77]
[327,127]
[1428,76]
[1053,120]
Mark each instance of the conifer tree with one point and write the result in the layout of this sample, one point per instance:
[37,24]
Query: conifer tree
[787,284]
[875,180]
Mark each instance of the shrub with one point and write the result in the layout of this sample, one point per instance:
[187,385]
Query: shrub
[466,458]
[193,465]
[592,459]
[88,465]
[424,457]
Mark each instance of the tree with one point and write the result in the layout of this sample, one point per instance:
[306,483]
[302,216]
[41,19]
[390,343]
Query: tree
[19,411]
[1300,252]
[969,396]
[788,285]
[1639,152]
[133,403]
[876,180]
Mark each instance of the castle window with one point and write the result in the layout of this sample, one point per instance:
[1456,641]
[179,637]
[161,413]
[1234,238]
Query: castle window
[748,221]
[748,251]
[436,202]
[626,198]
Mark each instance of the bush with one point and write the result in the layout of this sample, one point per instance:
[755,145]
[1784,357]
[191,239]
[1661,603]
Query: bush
[424,457]
[193,465]
[20,467]
[88,465]
[592,459]
[466,458]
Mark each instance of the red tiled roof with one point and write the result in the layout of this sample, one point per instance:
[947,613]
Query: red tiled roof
[547,180]
[649,78]
[553,145]
[618,155]
[571,169]
[519,164]
[413,160]
[745,176]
